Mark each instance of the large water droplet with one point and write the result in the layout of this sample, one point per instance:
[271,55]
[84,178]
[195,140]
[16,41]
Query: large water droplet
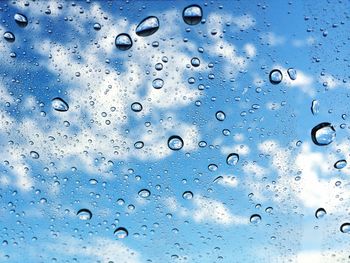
[21,20]
[157,83]
[136,107]
[232,159]
[121,232]
[345,228]
[315,107]
[144,193]
[123,42]
[323,134]
[195,62]
[275,76]
[255,219]
[59,104]
[292,73]
[175,142]
[340,164]
[9,36]
[187,195]
[192,14]
[139,144]
[97,26]
[321,212]
[147,27]
[220,115]
[34,155]
[212,167]
[84,214]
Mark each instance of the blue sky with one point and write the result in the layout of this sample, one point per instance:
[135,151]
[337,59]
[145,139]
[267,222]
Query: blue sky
[87,158]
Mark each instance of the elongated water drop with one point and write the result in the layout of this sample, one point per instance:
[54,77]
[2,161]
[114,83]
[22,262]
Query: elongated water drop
[315,107]
[9,36]
[292,73]
[21,20]
[340,164]
[59,104]
[147,27]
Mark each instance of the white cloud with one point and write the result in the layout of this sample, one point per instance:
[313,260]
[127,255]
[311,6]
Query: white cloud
[272,39]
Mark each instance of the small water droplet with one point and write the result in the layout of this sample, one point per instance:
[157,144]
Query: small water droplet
[158,83]
[212,167]
[93,181]
[323,134]
[269,209]
[315,107]
[255,219]
[195,62]
[275,76]
[345,228]
[34,155]
[232,159]
[175,142]
[147,26]
[136,107]
[123,42]
[292,73]
[21,20]
[340,164]
[187,195]
[139,144]
[9,36]
[144,193]
[192,14]
[220,115]
[121,232]
[84,214]
[97,26]
[321,212]
[59,104]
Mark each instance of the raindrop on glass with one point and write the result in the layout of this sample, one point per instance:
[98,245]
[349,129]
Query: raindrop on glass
[187,195]
[147,27]
[192,14]
[21,20]
[59,104]
[292,73]
[275,76]
[97,26]
[157,83]
[121,232]
[175,142]
[220,116]
[9,36]
[84,214]
[323,134]
[139,144]
[345,228]
[34,155]
[212,167]
[123,42]
[144,193]
[232,159]
[315,107]
[321,212]
[340,164]
[195,62]
[136,107]
[255,219]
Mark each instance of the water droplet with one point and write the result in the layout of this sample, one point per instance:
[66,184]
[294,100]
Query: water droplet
[21,20]
[121,232]
[9,36]
[292,73]
[84,214]
[97,26]
[123,42]
[345,228]
[195,62]
[34,155]
[157,83]
[275,76]
[175,142]
[136,107]
[144,193]
[255,219]
[93,181]
[187,195]
[220,116]
[340,164]
[192,14]
[321,212]
[315,107]
[147,27]
[212,167]
[139,144]
[269,209]
[323,134]
[59,104]
[232,159]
